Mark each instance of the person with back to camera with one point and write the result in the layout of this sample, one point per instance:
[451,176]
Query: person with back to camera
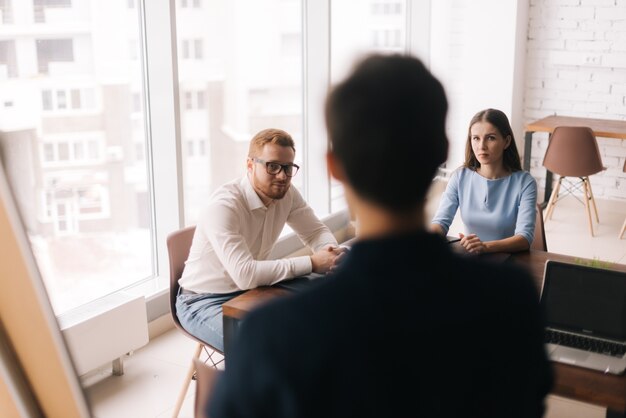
[237,231]
[496,198]
[404,326]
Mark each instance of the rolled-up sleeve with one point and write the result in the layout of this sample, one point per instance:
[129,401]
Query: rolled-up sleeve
[448,204]
[527,212]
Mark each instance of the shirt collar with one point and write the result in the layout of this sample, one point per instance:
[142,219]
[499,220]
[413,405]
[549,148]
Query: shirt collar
[253,199]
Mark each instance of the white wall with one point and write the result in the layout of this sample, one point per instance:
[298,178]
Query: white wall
[576,66]
[475,52]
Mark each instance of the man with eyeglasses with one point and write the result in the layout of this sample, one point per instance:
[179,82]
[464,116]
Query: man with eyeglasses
[237,231]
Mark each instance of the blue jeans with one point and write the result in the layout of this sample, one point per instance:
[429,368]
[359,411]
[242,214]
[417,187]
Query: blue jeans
[201,315]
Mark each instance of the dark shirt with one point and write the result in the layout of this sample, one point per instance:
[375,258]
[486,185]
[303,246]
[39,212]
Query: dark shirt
[404,328]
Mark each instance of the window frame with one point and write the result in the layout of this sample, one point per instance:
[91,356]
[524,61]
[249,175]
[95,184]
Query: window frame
[166,147]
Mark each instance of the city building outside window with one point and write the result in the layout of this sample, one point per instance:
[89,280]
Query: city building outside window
[53,50]
[252,81]
[68,145]
[382,28]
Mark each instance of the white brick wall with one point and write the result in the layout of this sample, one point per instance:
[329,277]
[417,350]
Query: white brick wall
[576,66]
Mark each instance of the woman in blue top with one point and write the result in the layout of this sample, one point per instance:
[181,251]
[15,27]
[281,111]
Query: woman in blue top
[496,198]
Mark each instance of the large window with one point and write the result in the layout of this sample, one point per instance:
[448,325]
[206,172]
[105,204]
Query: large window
[249,79]
[381,28]
[69,144]
[103,171]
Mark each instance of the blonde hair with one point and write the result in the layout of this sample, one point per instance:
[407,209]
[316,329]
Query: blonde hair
[270,136]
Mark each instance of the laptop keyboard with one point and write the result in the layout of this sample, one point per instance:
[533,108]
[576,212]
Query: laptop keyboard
[585,343]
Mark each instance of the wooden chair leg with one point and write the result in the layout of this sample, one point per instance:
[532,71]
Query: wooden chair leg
[185,388]
[587,208]
[593,200]
[553,198]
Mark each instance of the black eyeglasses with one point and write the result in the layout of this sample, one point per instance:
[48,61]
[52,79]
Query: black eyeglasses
[274,168]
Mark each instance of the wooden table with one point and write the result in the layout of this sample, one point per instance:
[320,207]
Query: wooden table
[570,381]
[235,309]
[584,385]
[601,128]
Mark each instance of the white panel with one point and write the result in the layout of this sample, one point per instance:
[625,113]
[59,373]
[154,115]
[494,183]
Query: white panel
[559,407]
[105,330]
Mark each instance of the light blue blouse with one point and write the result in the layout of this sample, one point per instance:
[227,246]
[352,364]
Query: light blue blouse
[492,209]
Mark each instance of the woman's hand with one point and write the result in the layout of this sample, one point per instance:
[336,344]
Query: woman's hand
[472,243]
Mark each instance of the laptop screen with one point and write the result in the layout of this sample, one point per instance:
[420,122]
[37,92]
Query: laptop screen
[585,300]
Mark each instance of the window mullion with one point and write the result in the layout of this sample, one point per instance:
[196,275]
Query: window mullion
[316,50]
[163,121]
[418,29]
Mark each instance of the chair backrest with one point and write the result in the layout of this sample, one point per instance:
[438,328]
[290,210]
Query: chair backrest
[178,246]
[205,380]
[573,152]
[539,242]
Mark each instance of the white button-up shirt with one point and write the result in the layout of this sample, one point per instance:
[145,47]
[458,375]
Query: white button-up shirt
[236,233]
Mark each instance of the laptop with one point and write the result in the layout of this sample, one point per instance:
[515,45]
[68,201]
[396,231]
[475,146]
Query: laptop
[585,310]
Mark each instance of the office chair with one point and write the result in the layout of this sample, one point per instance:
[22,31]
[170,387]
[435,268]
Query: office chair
[178,245]
[621,233]
[573,152]
[539,242]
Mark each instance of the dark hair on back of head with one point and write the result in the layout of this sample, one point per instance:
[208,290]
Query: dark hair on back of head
[386,124]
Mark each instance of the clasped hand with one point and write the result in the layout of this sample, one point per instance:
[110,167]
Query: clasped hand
[472,243]
[328,258]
